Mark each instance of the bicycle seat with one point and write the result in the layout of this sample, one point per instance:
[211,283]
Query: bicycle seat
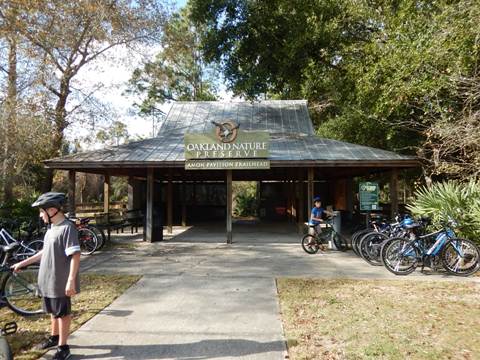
[9,248]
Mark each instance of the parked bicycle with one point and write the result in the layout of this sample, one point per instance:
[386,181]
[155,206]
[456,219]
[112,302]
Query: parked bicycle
[24,250]
[90,237]
[312,243]
[370,244]
[19,291]
[441,248]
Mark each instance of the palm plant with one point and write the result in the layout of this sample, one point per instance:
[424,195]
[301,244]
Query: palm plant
[451,200]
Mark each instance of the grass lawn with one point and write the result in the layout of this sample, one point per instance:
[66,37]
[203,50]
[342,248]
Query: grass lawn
[96,293]
[354,319]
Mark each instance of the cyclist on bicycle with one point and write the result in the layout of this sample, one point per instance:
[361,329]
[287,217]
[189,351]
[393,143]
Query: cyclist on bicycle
[316,216]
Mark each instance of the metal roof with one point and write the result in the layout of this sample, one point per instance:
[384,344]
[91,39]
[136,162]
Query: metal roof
[292,139]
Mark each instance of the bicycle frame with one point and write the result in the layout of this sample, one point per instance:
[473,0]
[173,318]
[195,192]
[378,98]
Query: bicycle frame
[441,238]
[9,239]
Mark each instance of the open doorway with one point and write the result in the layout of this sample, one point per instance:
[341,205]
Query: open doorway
[245,202]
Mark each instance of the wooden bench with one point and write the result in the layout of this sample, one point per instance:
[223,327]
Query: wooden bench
[118,220]
[133,219]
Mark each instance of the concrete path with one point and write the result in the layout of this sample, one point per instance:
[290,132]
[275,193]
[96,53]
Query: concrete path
[206,301]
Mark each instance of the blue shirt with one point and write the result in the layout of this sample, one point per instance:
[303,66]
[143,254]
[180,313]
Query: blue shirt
[316,212]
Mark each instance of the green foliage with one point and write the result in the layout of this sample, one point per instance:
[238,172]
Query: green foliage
[119,189]
[380,73]
[19,208]
[18,215]
[178,72]
[115,134]
[451,199]
[245,199]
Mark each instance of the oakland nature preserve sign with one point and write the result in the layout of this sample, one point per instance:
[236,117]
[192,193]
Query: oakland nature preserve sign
[228,148]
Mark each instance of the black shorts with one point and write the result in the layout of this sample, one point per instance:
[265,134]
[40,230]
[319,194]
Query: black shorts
[58,307]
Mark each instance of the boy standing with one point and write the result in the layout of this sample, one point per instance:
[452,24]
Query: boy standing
[58,277]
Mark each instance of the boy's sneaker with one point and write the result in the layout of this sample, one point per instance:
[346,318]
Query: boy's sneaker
[62,353]
[48,343]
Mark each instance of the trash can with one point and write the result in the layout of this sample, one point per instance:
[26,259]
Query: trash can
[337,226]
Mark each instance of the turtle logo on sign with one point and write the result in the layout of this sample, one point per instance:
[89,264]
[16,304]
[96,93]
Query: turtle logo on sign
[226,131]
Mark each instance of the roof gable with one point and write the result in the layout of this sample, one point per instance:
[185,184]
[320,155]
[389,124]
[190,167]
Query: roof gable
[274,116]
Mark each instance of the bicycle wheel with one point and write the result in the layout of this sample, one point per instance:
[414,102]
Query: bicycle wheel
[340,242]
[382,249]
[100,236]
[310,244]
[460,257]
[370,246]
[356,238]
[21,292]
[401,256]
[88,241]
[36,245]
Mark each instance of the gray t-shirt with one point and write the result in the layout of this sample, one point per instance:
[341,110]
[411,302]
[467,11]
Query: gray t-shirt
[61,241]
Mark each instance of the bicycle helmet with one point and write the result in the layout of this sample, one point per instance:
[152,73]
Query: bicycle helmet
[407,221]
[50,200]
[317,198]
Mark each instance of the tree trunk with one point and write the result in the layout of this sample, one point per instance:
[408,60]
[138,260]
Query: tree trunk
[60,123]
[8,170]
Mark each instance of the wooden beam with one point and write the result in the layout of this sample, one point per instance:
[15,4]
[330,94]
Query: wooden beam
[350,197]
[170,204]
[130,193]
[393,193]
[106,193]
[184,204]
[71,193]
[229,207]
[310,189]
[150,201]
[301,202]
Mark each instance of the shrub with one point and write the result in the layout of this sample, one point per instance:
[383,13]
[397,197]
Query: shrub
[451,199]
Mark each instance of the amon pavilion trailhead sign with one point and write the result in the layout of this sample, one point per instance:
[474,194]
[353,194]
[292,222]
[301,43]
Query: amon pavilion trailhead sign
[227,148]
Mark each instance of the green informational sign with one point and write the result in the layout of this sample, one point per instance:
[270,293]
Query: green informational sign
[230,164]
[245,145]
[368,194]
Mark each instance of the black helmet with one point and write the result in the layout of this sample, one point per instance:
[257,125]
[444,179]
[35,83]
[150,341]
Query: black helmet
[316,198]
[50,200]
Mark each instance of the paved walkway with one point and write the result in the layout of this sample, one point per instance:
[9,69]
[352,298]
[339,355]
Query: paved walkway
[205,300]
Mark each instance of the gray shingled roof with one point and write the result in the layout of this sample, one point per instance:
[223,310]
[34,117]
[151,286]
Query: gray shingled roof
[292,139]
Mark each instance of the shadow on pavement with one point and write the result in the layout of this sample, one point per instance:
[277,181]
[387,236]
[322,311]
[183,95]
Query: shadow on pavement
[205,349]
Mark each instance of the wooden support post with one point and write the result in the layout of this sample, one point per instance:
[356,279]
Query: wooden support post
[184,205]
[393,193]
[106,194]
[150,202]
[291,201]
[170,204]
[229,207]
[301,203]
[310,188]
[130,193]
[71,193]
[350,197]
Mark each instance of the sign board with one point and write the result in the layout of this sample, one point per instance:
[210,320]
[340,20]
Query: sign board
[247,145]
[368,193]
[230,164]
[227,148]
